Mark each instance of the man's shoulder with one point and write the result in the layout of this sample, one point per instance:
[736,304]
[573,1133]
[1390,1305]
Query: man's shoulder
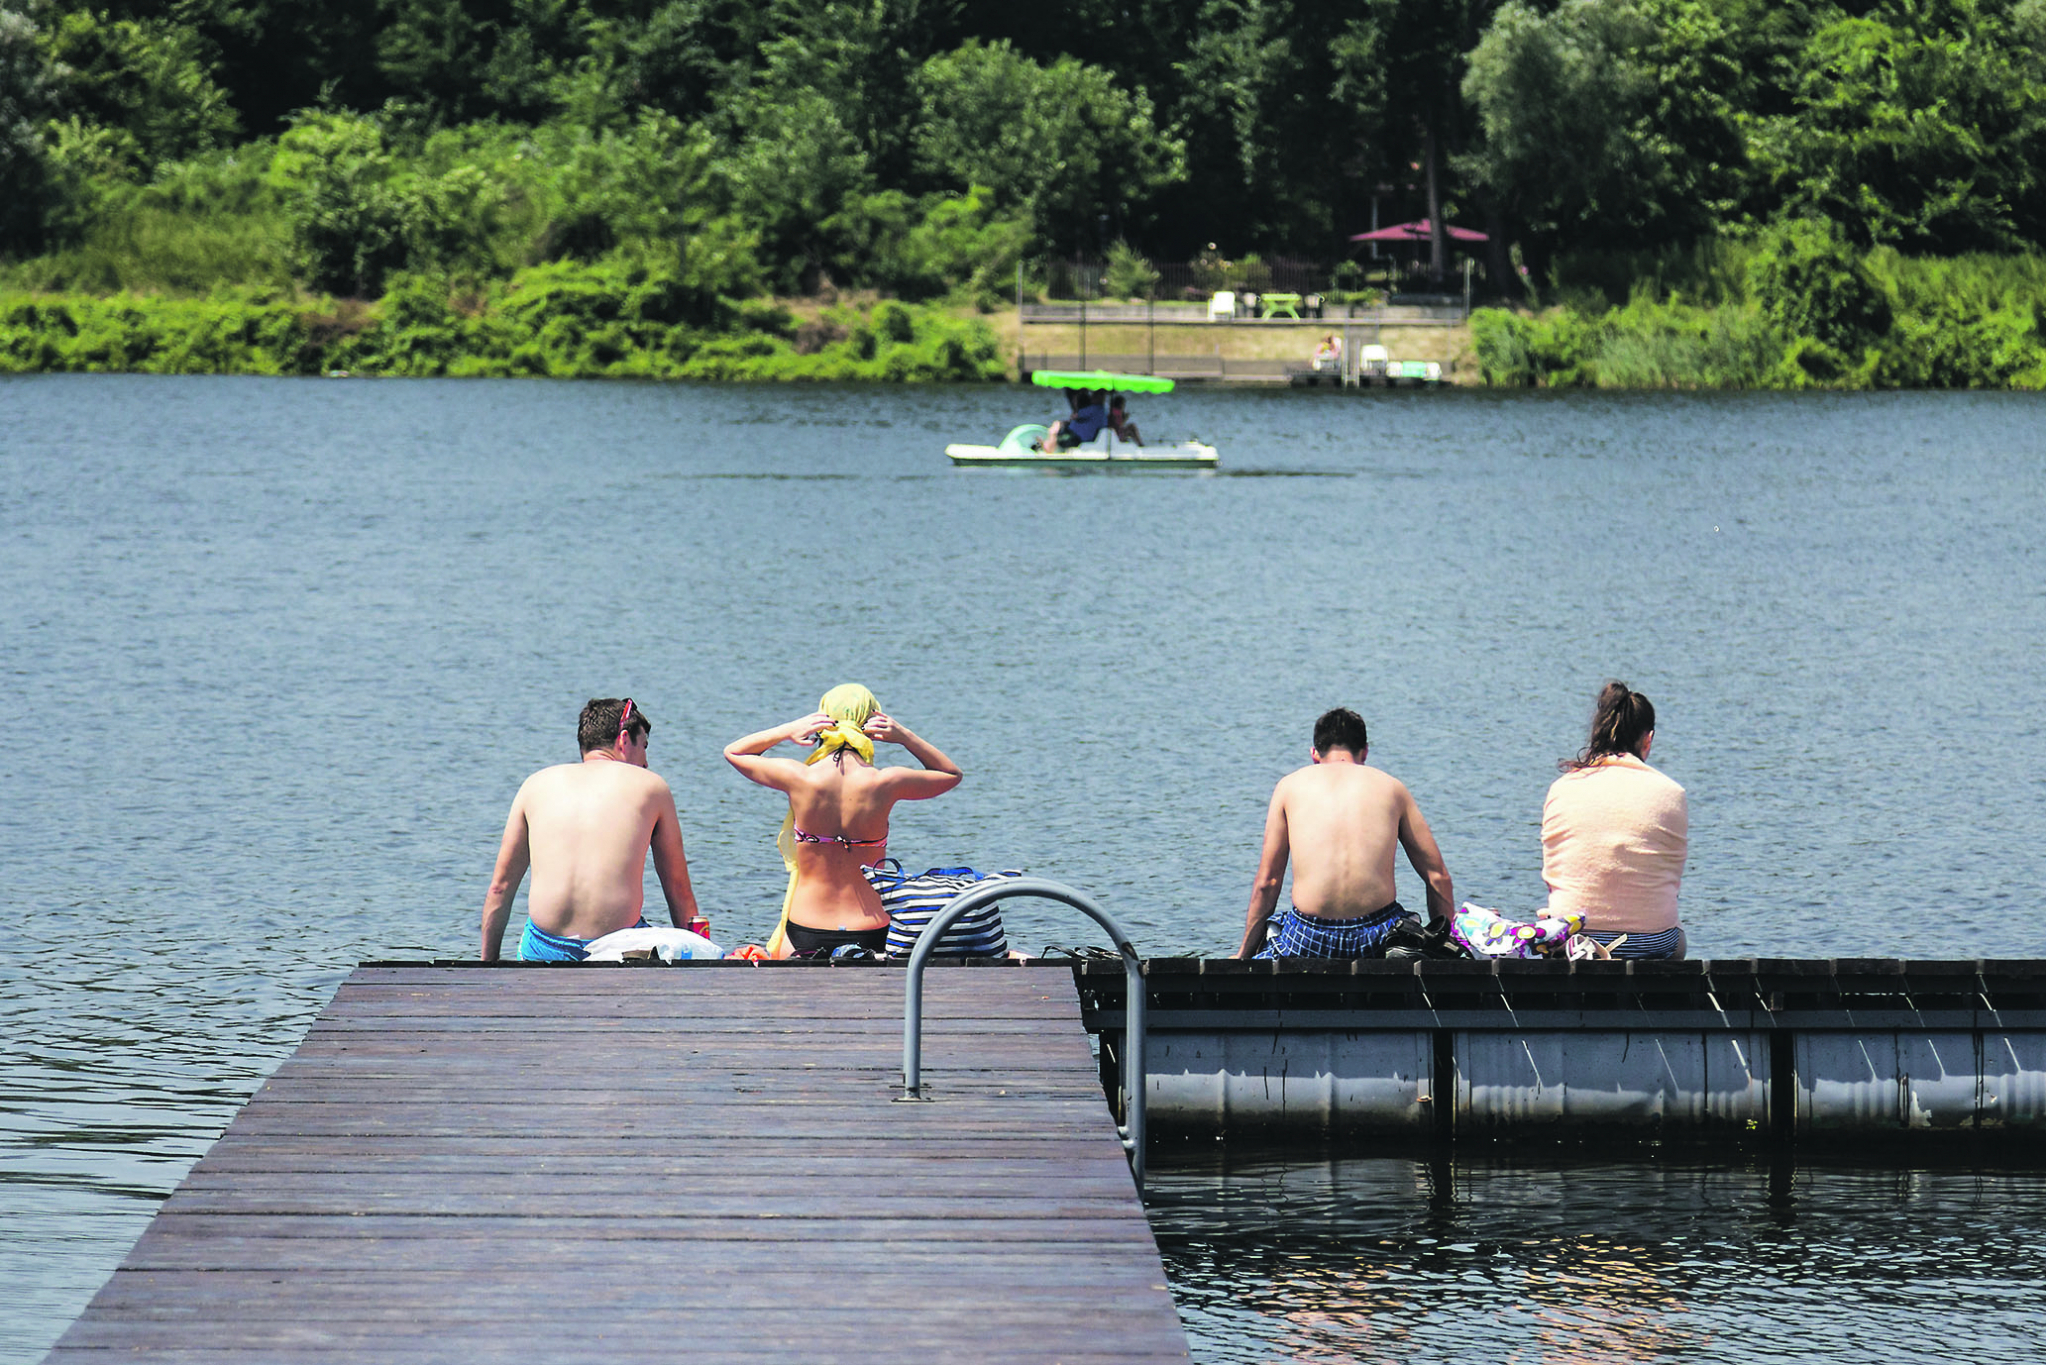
[1340,781]
[586,777]
[547,776]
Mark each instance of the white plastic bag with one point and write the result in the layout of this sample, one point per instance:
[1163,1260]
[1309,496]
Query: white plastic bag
[669,945]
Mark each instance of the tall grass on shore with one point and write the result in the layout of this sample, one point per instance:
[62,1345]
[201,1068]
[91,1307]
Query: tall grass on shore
[1794,308]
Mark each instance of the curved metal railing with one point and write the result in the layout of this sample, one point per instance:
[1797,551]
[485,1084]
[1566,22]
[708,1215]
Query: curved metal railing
[1132,1061]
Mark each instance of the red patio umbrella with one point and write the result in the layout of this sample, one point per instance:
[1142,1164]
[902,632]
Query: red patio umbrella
[1418,232]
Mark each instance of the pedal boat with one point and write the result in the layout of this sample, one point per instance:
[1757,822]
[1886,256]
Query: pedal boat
[1023,447]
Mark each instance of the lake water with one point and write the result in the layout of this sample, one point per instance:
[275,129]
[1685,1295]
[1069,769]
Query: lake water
[277,654]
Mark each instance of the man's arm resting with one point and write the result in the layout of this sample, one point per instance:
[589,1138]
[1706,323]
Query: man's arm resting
[671,865]
[514,854]
[1271,875]
[1419,842]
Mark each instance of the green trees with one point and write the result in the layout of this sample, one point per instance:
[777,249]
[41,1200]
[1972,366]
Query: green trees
[28,99]
[1923,126]
[922,148]
[1639,123]
[1057,144]
[1602,121]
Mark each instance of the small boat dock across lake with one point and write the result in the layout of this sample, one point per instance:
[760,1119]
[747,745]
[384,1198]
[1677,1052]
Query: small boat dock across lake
[628,1163]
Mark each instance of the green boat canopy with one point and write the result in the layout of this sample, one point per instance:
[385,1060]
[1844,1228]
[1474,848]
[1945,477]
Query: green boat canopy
[1099,379]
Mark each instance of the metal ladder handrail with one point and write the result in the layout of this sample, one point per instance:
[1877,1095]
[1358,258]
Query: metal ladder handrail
[1132,1060]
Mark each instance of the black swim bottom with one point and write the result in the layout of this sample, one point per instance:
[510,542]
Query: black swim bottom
[807,942]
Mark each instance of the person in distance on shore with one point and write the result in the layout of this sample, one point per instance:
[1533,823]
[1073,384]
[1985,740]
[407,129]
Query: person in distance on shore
[1615,833]
[838,816]
[585,830]
[1339,821]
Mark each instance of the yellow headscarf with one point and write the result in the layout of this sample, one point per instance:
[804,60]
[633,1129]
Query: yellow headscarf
[851,705]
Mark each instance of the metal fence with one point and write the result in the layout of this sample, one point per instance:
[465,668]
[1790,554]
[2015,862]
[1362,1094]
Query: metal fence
[1188,281]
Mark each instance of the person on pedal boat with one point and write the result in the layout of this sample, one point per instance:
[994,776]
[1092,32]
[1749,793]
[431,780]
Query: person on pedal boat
[839,804]
[1119,422]
[1085,423]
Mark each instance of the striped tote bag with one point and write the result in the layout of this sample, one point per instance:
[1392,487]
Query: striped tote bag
[913,900]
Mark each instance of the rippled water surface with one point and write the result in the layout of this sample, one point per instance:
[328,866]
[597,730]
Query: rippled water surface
[277,653]
[1594,1264]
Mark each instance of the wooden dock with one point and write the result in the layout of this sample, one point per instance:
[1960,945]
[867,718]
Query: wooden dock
[701,1163]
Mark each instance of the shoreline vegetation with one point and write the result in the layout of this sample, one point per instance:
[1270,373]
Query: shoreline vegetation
[624,320]
[1672,193]
[1795,307]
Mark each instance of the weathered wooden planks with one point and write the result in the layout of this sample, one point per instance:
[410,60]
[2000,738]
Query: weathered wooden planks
[672,1164]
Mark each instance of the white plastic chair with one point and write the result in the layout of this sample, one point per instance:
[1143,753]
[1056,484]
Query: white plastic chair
[1223,305]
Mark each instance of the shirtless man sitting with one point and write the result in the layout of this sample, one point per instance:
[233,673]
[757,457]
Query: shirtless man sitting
[1339,820]
[585,829]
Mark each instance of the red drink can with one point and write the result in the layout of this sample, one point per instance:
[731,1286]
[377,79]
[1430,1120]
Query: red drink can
[700,926]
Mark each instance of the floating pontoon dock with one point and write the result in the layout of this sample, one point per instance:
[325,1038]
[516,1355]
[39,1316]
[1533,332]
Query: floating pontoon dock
[1846,1053]
[631,1163]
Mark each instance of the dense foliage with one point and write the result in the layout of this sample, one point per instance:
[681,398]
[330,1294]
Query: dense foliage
[1799,307]
[616,319]
[290,149]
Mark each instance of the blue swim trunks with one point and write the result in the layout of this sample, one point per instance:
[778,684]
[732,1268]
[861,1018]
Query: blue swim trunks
[537,945]
[1293,934]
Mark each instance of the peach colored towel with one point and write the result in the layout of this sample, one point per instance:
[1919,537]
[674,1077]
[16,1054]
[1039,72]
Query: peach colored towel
[1613,842]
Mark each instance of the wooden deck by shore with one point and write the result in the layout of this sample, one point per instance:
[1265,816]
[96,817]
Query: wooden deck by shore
[681,1165]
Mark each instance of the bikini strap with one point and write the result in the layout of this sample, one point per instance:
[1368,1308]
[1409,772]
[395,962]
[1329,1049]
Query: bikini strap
[804,836]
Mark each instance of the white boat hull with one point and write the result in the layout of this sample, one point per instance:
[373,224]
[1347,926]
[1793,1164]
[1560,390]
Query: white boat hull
[1191,455]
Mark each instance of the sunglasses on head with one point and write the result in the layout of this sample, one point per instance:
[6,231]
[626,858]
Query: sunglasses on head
[625,720]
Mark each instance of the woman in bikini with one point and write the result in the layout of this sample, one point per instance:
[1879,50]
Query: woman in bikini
[838,816]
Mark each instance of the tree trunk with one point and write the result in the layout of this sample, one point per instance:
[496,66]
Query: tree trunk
[1496,263]
[1438,236]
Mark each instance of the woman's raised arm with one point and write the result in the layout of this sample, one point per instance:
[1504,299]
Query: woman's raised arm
[940,774]
[748,755]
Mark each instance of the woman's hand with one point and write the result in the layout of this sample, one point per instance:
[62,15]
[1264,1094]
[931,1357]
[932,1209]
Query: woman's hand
[806,730]
[882,729]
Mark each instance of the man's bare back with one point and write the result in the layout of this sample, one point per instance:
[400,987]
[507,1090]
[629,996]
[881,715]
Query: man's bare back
[1343,822]
[589,827]
[585,830]
[1338,822]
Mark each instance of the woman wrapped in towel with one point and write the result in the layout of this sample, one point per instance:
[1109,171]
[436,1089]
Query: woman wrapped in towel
[1615,832]
[837,823]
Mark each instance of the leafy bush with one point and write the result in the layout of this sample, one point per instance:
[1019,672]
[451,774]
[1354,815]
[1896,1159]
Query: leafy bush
[1811,284]
[154,335]
[962,246]
[347,223]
